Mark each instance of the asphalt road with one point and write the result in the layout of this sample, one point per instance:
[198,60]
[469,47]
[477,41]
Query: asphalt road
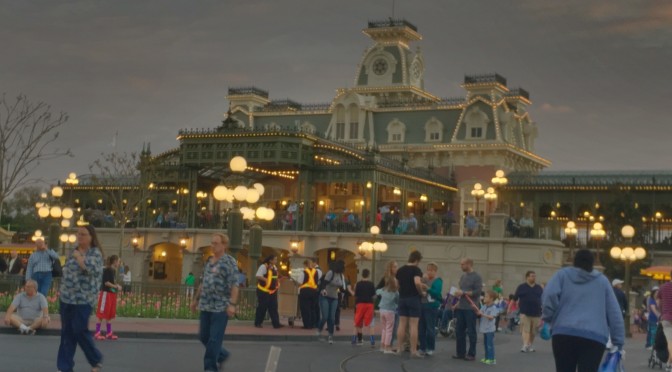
[38,353]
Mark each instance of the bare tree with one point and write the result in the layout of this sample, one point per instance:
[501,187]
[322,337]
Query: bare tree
[118,175]
[27,129]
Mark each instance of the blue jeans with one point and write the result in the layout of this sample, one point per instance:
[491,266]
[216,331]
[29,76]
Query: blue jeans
[75,331]
[489,344]
[466,326]
[427,329]
[328,307]
[211,333]
[651,333]
[43,279]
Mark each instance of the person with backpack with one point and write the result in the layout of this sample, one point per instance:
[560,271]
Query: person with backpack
[330,284]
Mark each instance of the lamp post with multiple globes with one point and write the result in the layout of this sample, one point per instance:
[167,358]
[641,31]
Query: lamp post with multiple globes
[477,192]
[498,182]
[597,233]
[237,214]
[571,232]
[54,211]
[628,255]
[373,246]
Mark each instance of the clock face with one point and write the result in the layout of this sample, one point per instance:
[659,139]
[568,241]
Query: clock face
[379,66]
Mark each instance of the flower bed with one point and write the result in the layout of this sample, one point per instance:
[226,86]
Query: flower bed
[149,302]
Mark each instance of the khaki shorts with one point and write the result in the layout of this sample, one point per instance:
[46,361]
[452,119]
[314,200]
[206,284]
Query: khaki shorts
[667,329]
[529,324]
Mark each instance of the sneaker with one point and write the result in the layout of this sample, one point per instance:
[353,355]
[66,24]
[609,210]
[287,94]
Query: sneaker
[330,339]
[31,332]
[484,361]
[389,352]
[430,352]
[530,349]
[668,368]
[318,334]
[523,349]
[469,358]
[98,336]
[491,362]
[360,343]
[111,336]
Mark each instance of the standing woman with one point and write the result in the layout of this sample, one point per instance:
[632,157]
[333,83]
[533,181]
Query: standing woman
[82,277]
[330,285]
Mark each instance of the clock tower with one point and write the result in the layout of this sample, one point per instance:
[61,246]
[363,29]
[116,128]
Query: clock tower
[389,63]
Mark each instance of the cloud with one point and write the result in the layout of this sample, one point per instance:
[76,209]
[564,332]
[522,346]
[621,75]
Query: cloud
[555,109]
[634,19]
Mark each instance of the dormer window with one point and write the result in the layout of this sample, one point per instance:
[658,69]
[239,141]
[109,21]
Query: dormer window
[396,131]
[477,122]
[433,130]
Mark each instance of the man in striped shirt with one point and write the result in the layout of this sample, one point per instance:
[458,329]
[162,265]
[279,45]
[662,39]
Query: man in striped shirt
[39,266]
[665,297]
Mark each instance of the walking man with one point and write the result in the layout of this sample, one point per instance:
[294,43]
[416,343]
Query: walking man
[529,305]
[469,293]
[39,266]
[217,299]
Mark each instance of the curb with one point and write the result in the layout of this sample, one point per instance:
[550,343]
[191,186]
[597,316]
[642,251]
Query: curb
[188,336]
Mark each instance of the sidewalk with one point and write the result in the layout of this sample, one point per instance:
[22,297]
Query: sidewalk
[187,329]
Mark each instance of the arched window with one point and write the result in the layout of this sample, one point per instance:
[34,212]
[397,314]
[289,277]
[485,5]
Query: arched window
[396,131]
[476,121]
[433,130]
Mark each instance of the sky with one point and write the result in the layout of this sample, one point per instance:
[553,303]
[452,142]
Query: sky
[598,71]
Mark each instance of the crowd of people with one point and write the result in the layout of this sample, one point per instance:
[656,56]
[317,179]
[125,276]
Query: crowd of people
[582,309]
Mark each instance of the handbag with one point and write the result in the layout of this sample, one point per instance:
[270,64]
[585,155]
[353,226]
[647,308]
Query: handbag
[56,268]
[612,363]
[545,332]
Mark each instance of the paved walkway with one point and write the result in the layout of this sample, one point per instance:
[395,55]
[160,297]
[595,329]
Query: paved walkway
[188,328]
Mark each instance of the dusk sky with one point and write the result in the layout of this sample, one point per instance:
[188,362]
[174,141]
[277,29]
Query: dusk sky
[598,71]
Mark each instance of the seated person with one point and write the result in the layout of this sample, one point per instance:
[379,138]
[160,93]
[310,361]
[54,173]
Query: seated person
[32,311]
[512,227]
[526,227]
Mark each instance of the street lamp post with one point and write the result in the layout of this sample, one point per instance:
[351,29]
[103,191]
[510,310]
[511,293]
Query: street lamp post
[628,255]
[477,193]
[490,196]
[597,234]
[236,214]
[499,181]
[55,212]
[571,232]
[373,246]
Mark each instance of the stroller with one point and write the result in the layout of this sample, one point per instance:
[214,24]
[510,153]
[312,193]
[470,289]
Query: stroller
[659,353]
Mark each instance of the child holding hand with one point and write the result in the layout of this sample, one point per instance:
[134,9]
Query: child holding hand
[488,313]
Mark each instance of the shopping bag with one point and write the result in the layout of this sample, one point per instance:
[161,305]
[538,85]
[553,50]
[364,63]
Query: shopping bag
[612,363]
[545,332]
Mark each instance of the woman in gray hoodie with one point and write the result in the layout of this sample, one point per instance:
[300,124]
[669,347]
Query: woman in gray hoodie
[581,308]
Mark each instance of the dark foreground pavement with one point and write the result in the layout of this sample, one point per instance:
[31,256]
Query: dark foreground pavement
[38,353]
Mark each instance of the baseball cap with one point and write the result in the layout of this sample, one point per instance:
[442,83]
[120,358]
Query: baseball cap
[616,282]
